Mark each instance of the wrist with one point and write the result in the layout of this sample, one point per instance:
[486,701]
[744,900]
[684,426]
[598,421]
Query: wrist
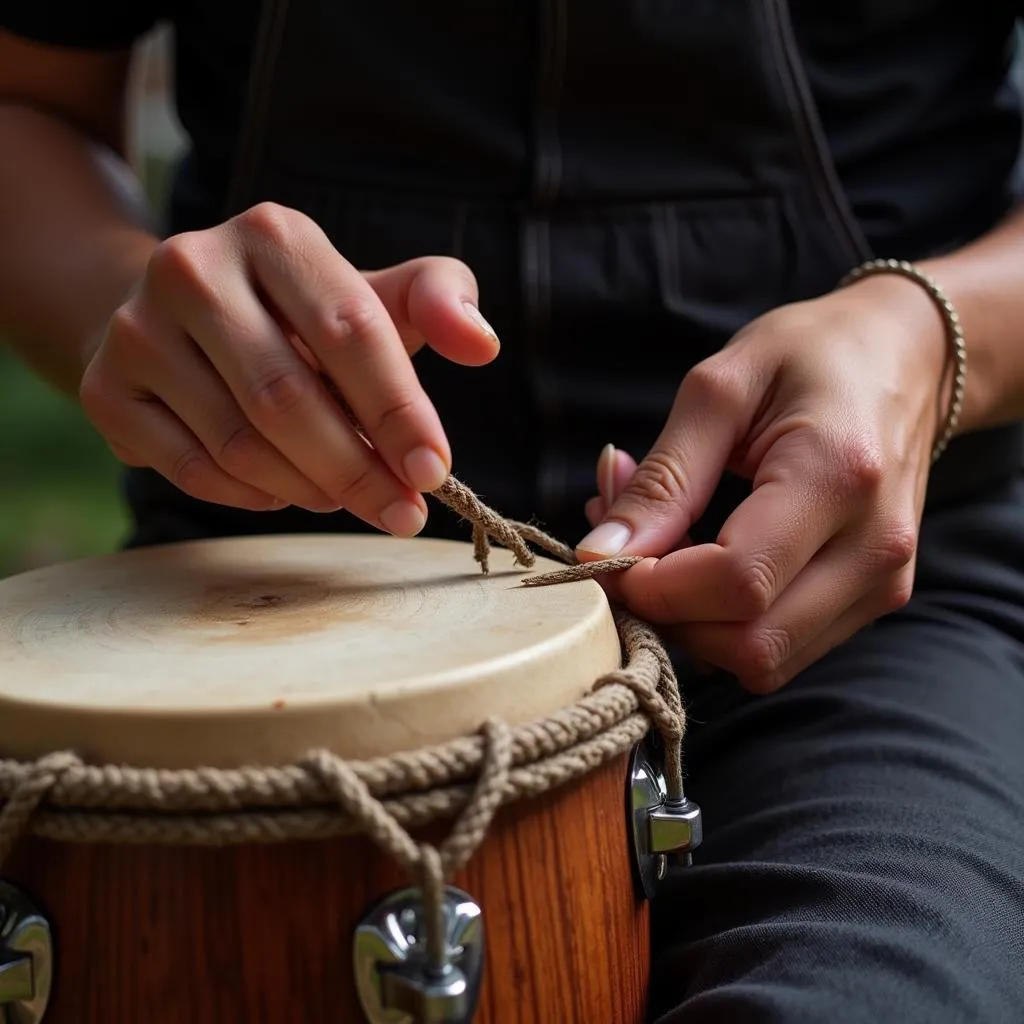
[983,403]
[915,302]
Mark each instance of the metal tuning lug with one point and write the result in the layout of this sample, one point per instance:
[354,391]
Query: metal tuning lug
[26,959]
[664,831]
[394,982]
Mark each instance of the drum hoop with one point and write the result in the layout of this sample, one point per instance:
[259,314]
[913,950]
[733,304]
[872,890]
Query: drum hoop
[60,797]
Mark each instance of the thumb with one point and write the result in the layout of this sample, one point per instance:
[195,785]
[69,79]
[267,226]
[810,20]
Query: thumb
[673,484]
[434,301]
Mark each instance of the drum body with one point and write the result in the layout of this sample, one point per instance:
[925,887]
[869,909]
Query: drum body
[264,933]
[253,652]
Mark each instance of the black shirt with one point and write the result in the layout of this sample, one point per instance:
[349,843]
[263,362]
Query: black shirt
[915,98]
[916,106]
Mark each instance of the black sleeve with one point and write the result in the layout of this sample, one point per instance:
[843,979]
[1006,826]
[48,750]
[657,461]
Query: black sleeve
[81,24]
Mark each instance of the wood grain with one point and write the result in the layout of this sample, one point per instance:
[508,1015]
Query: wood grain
[262,934]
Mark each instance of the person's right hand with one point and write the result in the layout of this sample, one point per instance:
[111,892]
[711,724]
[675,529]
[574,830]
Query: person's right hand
[216,371]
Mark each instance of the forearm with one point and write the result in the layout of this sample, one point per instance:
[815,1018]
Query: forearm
[985,282]
[73,241]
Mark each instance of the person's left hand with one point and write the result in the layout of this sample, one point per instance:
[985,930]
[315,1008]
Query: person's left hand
[831,408]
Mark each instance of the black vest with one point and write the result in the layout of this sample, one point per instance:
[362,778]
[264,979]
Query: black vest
[631,181]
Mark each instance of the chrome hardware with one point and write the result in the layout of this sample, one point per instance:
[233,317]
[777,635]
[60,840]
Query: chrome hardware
[394,981]
[26,959]
[664,831]
[675,827]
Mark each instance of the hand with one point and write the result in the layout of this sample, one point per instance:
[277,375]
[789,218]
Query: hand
[218,370]
[831,407]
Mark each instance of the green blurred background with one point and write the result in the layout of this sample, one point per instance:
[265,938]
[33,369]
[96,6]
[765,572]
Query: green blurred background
[59,488]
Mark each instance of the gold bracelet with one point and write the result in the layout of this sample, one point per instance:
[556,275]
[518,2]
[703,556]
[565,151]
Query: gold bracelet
[954,335]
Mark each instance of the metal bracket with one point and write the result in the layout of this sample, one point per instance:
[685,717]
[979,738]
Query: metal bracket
[664,831]
[393,981]
[26,959]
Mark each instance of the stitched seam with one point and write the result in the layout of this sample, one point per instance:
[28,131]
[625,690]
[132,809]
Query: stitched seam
[824,180]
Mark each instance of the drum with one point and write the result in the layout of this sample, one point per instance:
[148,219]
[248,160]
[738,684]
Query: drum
[322,779]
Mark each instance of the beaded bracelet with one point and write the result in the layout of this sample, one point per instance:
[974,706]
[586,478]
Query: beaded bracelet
[954,334]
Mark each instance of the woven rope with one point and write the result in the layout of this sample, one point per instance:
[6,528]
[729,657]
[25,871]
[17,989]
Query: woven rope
[60,797]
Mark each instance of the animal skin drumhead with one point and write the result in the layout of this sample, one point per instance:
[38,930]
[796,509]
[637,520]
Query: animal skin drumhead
[256,650]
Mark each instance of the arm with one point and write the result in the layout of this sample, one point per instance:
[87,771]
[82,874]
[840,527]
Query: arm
[73,239]
[206,356]
[985,282]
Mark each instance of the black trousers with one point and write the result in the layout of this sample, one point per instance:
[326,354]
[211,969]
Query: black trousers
[864,827]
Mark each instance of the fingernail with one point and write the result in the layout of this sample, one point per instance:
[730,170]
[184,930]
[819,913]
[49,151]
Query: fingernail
[607,540]
[425,469]
[477,317]
[606,473]
[403,519]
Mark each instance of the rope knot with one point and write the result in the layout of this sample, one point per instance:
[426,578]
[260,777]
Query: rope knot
[431,866]
[30,792]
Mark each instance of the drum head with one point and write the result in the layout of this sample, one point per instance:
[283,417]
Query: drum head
[256,650]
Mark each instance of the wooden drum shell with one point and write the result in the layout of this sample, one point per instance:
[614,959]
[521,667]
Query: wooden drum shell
[263,933]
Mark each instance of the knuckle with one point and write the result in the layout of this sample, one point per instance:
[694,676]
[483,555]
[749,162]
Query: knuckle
[893,543]
[659,480]
[94,393]
[899,542]
[179,262]
[898,593]
[190,471]
[278,391]
[350,486]
[126,332]
[400,409]
[346,325]
[269,221]
[241,448]
[762,653]
[861,465]
[755,586]
[711,384]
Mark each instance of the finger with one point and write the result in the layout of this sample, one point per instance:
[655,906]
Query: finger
[127,455]
[155,437]
[674,482]
[820,600]
[852,621]
[806,491]
[865,612]
[185,381]
[434,301]
[279,393]
[347,327]
[795,509]
[594,510]
[615,468]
